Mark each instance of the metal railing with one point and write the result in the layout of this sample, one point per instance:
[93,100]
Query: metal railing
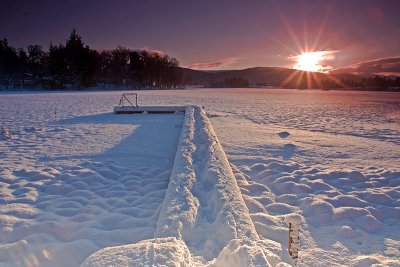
[124,97]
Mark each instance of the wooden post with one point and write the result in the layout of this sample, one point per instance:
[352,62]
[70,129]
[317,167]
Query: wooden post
[294,242]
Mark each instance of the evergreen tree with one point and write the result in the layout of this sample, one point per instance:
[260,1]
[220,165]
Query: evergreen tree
[80,60]
[8,63]
[76,64]
[37,63]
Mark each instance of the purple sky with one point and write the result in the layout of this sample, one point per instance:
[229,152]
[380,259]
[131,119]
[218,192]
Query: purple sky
[219,34]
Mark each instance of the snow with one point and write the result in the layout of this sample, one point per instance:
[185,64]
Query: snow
[76,179]
[295,219]
[203,204]
[203,207]
[96,183]
[168,251]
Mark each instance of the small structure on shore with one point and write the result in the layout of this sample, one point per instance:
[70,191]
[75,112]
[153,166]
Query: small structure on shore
[127,105]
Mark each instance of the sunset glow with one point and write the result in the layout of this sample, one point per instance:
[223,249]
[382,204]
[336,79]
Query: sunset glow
[199,133]
[313,61]
[310,66]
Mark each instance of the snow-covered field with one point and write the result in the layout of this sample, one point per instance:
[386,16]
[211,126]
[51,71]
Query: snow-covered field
[75,178]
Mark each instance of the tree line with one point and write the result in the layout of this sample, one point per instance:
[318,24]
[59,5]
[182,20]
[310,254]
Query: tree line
[76,65]
[376,82]
[229,82]
[371,83]
[380,83]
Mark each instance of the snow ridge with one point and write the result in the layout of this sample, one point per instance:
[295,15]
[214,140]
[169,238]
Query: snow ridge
[203,203]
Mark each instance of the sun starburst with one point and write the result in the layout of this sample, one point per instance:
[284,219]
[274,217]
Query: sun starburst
[312,61]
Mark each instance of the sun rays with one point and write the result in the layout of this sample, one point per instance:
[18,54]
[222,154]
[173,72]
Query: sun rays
[312,56]
[313,61]
[311,80]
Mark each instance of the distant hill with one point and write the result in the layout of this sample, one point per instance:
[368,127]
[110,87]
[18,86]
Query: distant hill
[274,76]
[383,67]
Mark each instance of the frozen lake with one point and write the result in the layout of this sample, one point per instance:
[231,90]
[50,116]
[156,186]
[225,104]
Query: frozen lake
[332,156]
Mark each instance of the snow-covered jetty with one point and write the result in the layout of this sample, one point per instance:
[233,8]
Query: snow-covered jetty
[203,219]
[148,109]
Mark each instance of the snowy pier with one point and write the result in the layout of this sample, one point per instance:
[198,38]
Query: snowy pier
[132,107]
[203,218]
[148,109]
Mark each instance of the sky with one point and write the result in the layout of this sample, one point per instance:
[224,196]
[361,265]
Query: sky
[215,34]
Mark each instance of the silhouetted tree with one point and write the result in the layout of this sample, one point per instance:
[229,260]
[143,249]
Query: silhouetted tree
[236,82]
[103,69]
[58,69]
[37,63]
[120,65]
[80,60]
[76,64]
[8,62]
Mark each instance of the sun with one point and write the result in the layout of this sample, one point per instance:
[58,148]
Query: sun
[310,61]
[308,64]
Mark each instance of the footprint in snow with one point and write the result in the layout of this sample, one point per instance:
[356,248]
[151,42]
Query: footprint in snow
[288,151]
[283,134]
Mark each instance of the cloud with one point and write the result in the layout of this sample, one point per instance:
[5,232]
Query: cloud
[213,64]
[383,66]
[148,48]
